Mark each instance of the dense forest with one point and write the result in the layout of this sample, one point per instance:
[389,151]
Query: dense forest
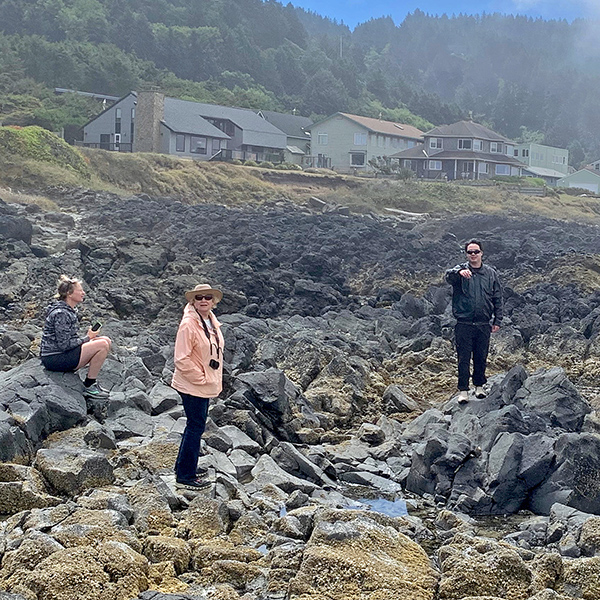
[528,79]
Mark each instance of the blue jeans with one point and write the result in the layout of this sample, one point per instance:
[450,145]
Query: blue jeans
[196,412]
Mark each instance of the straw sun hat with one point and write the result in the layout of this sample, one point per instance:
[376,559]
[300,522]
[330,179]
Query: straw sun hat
[204,288]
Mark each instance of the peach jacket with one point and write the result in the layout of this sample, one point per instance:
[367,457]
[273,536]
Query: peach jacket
[192,354]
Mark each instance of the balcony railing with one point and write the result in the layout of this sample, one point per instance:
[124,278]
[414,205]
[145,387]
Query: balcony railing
[228,154]
[319,162]
[111,146]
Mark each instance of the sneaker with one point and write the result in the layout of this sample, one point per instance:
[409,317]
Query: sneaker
[463,396]
[193,484]
[479,392]
[95,391]
[201,472]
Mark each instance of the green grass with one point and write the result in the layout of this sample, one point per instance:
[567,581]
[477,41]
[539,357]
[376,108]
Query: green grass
[32,159]
[41,145]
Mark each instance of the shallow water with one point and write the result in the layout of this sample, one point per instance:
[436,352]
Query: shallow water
[391,508]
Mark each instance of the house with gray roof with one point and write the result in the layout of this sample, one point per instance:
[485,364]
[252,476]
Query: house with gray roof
[297,130]
[587,178]
[463,150]
[150,122]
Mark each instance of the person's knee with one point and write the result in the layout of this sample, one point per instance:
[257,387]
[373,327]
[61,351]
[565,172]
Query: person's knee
[105,344]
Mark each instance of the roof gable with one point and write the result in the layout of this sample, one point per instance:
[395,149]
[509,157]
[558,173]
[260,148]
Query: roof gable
[467,129]
[379,126]
[114,105]
[580,172]
[291,125]
[387,127]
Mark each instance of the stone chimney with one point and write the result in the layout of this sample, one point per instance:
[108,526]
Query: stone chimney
[149,112]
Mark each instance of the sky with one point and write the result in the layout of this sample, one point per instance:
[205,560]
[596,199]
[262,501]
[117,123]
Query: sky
[352,12]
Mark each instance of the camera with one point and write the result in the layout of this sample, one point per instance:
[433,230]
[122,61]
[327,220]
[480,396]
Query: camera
[214,364]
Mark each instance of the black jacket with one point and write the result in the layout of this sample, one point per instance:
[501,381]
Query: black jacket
[478,299]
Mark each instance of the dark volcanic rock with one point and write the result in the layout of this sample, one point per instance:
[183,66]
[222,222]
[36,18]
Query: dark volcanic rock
[509,450]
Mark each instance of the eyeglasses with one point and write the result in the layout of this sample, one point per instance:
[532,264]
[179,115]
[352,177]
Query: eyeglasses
[468,252]
[205,297]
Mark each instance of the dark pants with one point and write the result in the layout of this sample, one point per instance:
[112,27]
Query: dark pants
[472,339]
[196,411]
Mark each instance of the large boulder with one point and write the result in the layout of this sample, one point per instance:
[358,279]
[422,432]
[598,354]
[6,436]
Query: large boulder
[480,567]
[353,555]
[41,402]
[70,471]
[22,488]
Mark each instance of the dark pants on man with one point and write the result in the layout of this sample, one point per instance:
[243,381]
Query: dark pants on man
[196,412]
[472,339]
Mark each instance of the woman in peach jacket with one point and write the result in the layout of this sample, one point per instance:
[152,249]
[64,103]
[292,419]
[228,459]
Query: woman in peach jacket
[198,375]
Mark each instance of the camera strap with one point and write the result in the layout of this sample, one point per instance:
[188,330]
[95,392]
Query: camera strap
[207,332]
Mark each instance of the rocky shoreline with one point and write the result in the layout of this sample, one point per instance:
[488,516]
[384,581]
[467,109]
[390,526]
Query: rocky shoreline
[338,392]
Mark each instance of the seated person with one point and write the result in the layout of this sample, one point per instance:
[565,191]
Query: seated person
[62,349]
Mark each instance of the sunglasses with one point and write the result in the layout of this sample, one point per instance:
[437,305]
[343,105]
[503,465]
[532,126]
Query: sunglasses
[203,297]
[469,252]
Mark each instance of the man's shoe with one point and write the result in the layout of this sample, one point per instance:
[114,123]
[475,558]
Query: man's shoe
[193,484]
[201,472]
[479,392]
[95,391]
[463,396]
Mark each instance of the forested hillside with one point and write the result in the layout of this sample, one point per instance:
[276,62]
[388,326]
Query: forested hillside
[525,78]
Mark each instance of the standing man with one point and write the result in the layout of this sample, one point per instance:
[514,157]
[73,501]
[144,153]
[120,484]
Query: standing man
[476,300]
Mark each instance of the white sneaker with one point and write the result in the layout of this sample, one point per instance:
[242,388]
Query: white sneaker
[463,397]
[479,392]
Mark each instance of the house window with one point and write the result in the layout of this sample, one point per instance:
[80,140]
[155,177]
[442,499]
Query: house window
[483,168]
[435,165]
[322,139]
[502,170]
[410,164]
[118,120]
[132,122]
[197,144]
[395,142]
[216,145]
[180,142]
[509,150]
[360,139]
[435,143]
[477,145]
[525,152]
[357,159]
[516,152]
[465,144]
[380,141]
[497,147]
[411,144]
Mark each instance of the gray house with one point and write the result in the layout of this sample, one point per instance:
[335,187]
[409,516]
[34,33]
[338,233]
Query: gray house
[463,150]
[297,130]
[150,122]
